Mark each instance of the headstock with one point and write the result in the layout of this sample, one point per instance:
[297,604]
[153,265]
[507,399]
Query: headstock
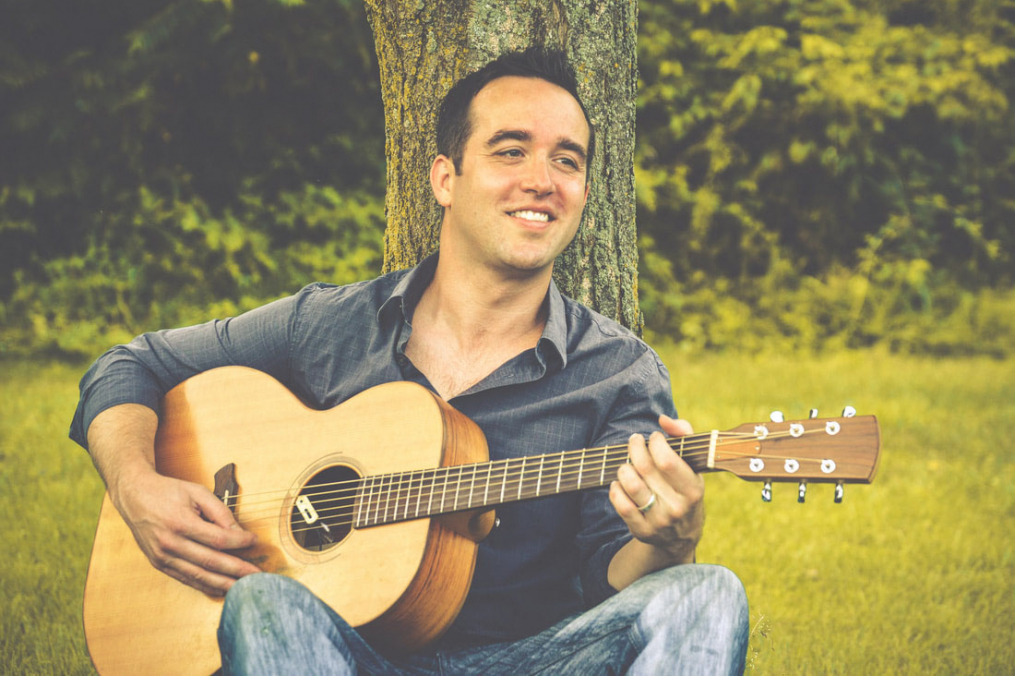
[816,450]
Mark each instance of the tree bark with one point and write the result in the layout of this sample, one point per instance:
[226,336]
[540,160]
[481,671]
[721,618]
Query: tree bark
[426,45]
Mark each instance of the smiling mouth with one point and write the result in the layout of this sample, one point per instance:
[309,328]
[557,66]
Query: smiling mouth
[538,216]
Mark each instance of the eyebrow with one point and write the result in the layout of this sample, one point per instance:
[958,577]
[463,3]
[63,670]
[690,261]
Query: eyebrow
[522,135]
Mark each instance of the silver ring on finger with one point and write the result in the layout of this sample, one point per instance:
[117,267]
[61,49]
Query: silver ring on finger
[648,505]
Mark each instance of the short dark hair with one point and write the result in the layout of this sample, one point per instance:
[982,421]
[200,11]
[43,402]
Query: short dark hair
[453,122]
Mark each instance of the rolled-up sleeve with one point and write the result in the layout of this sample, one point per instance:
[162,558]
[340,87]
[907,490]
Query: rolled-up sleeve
[142,371]
[644,398]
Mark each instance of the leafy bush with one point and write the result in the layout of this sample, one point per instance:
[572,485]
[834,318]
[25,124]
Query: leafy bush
[827,171]
[167,263]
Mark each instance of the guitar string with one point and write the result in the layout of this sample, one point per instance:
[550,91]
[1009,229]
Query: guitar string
[391,515]
[512,476]
[380,509]
[569,457]
[344,515]
[404,506]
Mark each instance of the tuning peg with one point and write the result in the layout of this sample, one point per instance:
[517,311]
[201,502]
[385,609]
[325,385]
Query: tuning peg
[777,416]
[839,490]
[766,492]
[813,413]
[848,412]
[802,492]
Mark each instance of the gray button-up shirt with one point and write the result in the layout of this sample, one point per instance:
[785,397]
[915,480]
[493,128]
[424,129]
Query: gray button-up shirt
[588,382]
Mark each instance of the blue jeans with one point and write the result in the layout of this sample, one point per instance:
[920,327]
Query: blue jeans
[683,620]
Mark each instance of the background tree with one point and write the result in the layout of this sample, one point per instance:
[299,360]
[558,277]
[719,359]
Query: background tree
[423,48]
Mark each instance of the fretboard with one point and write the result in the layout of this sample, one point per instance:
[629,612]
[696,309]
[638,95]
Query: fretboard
[389,498]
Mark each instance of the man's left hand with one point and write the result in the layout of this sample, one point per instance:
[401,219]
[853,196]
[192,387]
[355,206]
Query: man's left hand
[660,497]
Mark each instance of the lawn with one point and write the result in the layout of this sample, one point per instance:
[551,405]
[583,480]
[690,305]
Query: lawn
[912,574]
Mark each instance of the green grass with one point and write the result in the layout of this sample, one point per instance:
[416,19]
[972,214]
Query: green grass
[912,574]
[49,500]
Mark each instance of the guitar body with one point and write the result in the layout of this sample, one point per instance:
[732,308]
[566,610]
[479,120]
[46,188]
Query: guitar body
[401,583]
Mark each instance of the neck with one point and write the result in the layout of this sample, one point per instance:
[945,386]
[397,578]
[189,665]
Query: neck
[474,304]
[405,496]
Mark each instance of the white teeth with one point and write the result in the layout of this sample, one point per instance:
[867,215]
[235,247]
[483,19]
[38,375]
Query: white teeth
[532,216]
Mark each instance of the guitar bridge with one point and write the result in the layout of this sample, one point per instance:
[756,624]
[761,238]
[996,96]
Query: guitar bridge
[226,488]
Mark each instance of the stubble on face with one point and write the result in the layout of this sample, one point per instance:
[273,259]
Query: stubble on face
[519,196]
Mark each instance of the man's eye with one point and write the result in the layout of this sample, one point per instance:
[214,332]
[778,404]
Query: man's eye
[567,161]
[511,152]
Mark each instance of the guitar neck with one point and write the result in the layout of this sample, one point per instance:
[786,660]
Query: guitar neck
[389,498]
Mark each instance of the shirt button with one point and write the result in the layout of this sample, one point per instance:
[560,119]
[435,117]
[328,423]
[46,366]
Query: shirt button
[402,360]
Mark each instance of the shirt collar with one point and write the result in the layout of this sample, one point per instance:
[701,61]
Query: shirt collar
[409,289]
[411,286]
[555,332]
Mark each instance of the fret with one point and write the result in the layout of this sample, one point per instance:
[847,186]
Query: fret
[472,486]
[391,510]
[521,478]
[408,494]
[404,493]
[396,485]
[444,491]
[429,502]
[377,512]
[489,473]
[581,468]
[362,502]
[602,473]
[682,445]
[539,478]
[560,471]
[503,483]
[375,490]
[398,497]
[458,487]
[419,493]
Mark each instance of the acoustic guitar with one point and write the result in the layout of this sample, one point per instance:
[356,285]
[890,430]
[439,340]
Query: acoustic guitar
[383,528]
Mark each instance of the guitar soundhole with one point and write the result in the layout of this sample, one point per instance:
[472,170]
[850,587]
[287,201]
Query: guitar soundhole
[322,513]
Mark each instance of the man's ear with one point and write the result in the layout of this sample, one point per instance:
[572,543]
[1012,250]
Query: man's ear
[442,176]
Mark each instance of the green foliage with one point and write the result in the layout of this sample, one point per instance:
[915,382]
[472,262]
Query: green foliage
[809,173]
[163,161]
[835,170]
[168,263]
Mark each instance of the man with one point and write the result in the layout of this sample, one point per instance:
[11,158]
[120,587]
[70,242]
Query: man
[482,325]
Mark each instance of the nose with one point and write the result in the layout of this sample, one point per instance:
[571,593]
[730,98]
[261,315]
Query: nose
[536,177]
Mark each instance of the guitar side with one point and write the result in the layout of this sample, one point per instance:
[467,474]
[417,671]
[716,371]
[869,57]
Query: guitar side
[401,583]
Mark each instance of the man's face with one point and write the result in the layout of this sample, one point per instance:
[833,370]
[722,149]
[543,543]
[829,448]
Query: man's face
[519,197]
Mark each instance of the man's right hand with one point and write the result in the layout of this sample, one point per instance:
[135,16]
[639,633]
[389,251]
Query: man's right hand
[183,529]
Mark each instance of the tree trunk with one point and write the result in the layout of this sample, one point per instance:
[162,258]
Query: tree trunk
[425,46]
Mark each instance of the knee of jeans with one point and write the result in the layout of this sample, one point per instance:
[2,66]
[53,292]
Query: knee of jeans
[263,591]
[728,592]
[718,589]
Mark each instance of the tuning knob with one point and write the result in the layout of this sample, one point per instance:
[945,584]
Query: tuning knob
[802,492]
[813,414]
[839,490]
[848,412]
[766,492]
[777,416]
